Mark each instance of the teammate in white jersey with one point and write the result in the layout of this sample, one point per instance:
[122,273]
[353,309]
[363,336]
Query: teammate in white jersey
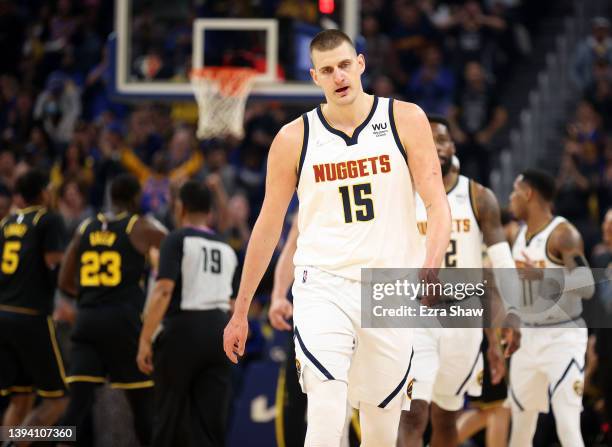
[445,359]
[354,161]
[548,368]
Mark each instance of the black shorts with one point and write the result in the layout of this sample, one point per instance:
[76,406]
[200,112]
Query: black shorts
[30,358]
[492,395]
[105,345]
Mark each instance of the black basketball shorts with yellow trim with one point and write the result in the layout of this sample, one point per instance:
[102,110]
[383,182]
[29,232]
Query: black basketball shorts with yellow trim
[105,345]
[30,358]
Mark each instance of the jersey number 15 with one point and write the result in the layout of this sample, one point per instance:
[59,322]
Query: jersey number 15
[361,201]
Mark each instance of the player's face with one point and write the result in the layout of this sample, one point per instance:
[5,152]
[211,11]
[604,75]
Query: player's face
[338,73]
[519,198]
[444,146]
[606,228]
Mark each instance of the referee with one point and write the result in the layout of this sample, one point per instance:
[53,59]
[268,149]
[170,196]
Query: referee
[192,296]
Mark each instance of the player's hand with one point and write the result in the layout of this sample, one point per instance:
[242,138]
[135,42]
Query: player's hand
[429,276]
[497,366]
[280,312]
[145,357]
[511,334]
[234,337]
[529,271]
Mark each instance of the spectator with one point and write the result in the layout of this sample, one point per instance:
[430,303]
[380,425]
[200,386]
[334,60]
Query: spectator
[595,47]
[156,187]
[8,164]
[73,204]
[599,92]
[432,85]
[217,163]
[142,136]
[183,158]
[377,47]
[59,107]
[239,232]
[74,163]
[38,150]
[476,116]
[475,35]
[19,122]
[412,33]
[382,85]
[6,201]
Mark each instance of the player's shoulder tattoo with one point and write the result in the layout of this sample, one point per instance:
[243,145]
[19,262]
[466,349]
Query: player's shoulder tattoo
[486,205]
[565,238]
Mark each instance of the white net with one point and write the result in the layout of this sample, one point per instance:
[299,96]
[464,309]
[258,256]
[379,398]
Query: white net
[221,93]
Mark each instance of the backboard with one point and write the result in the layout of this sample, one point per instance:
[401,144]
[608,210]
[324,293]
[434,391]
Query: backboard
[156,44]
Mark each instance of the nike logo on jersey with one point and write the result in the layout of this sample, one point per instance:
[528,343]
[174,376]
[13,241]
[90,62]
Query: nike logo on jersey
[328,172]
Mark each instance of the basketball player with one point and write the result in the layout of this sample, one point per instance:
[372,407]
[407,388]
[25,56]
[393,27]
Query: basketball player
[103,267]
[548,368]
[353,160]
[31,246]
[192,296]
[445,359]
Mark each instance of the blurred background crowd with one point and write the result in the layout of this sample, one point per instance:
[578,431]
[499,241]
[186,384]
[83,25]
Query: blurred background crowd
[452,57]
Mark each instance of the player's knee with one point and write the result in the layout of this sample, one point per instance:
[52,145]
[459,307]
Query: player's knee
[443,419]
[379,427]
[415,420]
[326,410]
[568,425]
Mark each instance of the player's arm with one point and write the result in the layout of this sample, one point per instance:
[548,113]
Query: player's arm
[488,215]
[170,257]
[53,230]
[147,233]
[566,243]
[67,279]
[415,135]
[280,307]
[281,179]
[157,305]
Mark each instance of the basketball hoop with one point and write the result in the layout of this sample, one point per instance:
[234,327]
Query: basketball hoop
[221,93]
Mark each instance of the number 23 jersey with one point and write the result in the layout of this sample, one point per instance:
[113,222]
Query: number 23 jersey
[356,197]
[110,269]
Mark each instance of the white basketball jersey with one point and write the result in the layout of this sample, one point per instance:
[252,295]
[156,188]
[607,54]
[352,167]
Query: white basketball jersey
[356,199]
[465,247]
[534,308]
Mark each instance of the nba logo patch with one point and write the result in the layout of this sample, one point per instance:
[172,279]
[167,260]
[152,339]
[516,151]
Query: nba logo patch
[304,276]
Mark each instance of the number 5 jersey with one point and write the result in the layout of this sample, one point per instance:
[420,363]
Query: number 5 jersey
[26,283]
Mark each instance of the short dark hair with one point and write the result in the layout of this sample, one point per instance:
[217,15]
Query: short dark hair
[195,197]
[31,185]
[328,40]
[124,190]
[439,119]
[542,182]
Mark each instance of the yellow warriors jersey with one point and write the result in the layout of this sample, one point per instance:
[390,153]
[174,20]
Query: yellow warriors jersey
[537,305]
[356,197]
[465,246]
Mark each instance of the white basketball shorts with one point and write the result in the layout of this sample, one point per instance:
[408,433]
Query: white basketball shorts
[329,339]
[445,365]
[549,365]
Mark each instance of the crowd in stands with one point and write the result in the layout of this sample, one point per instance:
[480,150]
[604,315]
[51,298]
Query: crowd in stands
[449,56]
